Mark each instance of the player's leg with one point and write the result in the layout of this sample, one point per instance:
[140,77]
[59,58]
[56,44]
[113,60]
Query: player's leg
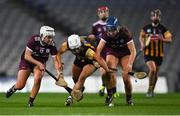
[152,78]
[22,77]
[156,74]
[38,74]
[87,71]
[112,62]
[76,71]
[126,79]
[103,74]
[103,77]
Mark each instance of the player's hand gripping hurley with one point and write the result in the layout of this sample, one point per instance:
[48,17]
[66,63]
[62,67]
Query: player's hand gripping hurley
[59,80]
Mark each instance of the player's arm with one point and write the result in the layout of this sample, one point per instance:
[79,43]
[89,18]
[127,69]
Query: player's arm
[63,48]
[57,65]
[132,50]
[91,54]
[101,62]
[142,39]
[167,37]
[100,46]
[28,57]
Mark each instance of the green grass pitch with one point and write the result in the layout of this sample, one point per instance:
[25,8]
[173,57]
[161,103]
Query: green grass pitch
[92,104]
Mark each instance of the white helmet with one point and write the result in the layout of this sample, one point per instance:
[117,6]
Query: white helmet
[47,31]
[74,41]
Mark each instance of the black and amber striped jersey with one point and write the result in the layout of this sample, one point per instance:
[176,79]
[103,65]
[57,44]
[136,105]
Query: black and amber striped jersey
[155,48]
[85,52]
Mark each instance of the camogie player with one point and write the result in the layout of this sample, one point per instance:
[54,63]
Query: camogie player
[33,60]
[98,29]
[120,50]
[85,64]
[155,34]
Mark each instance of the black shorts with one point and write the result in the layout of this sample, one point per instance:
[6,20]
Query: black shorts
[81,63]
[157,60]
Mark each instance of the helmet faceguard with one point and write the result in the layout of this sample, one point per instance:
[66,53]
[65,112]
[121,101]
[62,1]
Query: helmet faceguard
[103,12]
[74,41]
[47,31]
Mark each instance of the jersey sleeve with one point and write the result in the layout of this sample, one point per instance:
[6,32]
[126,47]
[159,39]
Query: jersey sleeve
[90,53]
[129,39]
[127,34]
[164,29]
[30,44]
[53,51]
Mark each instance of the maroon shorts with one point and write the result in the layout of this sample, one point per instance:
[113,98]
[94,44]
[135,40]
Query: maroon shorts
[118,54]
[24,65]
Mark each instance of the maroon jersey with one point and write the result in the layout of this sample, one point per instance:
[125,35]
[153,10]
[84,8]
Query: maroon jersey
[39,51]
[98,29]
[118,45]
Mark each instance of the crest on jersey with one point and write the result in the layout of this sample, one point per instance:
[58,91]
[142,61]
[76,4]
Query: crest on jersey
[99,29]
[47,50]
[104,27]
[122,40]
[149,30]
[41,50]
[154,31]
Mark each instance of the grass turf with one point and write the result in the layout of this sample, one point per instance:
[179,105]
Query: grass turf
[92,104]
